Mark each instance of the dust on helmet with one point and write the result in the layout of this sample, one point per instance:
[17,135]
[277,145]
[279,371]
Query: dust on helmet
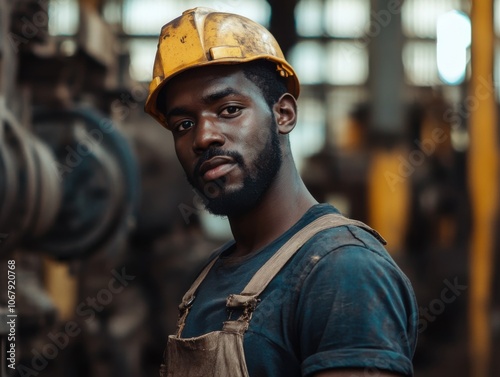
[203,36]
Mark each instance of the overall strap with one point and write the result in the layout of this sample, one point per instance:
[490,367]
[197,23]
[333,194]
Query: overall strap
[248,298]
[188,297]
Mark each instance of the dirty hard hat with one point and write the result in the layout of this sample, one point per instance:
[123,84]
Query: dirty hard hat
[203,36]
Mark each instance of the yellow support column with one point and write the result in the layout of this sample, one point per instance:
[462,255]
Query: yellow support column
[483,183]
[389,196]
[387,188]
[61,286]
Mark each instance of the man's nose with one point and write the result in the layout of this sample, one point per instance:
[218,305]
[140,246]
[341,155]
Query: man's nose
[207,134]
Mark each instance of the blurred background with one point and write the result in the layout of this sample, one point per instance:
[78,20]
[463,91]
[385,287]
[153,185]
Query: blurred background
[398,128]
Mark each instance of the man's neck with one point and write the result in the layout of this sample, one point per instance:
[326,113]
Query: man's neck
[285,202]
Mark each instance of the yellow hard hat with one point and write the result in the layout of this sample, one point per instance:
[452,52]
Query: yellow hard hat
[203,36]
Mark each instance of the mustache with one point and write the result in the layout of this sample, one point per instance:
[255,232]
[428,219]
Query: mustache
[214,152]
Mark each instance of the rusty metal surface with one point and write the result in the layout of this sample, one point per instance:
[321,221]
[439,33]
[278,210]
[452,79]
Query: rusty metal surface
[49,190]
[18,139]
[9,186]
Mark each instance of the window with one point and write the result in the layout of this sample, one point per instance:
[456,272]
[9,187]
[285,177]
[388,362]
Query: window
[419,58]
[346,18]
[308,136]
[420,16]
[143,20]
[347,64]
[330,56]
[308,59]
[142,55]
[309,18]
[453,42]
[431,55]
[63,17]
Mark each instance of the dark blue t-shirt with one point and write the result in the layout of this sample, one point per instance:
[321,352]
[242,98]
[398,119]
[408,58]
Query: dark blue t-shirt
[340,302]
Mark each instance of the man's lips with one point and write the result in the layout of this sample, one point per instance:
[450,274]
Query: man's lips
[216,167]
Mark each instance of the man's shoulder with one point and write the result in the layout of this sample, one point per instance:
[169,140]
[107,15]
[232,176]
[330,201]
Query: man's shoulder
[344,234]
[348,235]
[348,253]
[344,248]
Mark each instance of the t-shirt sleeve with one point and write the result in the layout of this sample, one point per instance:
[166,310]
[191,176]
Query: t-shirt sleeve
[356,310]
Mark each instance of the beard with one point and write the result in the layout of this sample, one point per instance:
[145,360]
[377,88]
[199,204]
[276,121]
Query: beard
[258,179]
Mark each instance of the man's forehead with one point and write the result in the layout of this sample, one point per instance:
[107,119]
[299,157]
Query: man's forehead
[208,85]
[207,73]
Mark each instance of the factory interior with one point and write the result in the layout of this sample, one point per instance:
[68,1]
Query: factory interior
[398,127]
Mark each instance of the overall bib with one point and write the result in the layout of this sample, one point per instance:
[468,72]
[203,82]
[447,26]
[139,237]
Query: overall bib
[220,353]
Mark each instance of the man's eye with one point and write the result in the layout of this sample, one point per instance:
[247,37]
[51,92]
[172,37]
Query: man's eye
[231,110]
[184,125]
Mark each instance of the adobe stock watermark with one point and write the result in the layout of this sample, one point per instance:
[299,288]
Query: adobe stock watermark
[293,278]
[378,20]
[58,341]
[451,291]
[200,199]
[436,307]
[483,91]
[415,158]
[31,28]
[427,147]
[83,148]
[120,109]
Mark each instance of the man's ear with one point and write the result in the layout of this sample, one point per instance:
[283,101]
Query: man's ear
[285,113]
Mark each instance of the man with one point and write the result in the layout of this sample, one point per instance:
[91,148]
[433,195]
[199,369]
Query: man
[301,291]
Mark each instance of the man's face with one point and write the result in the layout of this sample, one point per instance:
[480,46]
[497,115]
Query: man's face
[225,137]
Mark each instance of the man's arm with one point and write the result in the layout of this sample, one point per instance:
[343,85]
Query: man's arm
[357,315]
[355,373]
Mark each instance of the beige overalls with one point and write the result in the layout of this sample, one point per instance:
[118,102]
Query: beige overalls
[220,353]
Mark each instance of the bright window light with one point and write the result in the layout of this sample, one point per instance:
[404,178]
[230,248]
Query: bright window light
[146,17]
[453,40]
[308,60]
[63,17]
[256,10]
[419,59]
[419,17]
[341,101]
[347,64]
[308,17]
[142,55]
[308,137]
[347,18]
[112,12]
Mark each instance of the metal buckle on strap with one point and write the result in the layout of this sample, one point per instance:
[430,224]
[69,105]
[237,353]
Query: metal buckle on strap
[186,304]
[248,303]
[183,312]
[242,301]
